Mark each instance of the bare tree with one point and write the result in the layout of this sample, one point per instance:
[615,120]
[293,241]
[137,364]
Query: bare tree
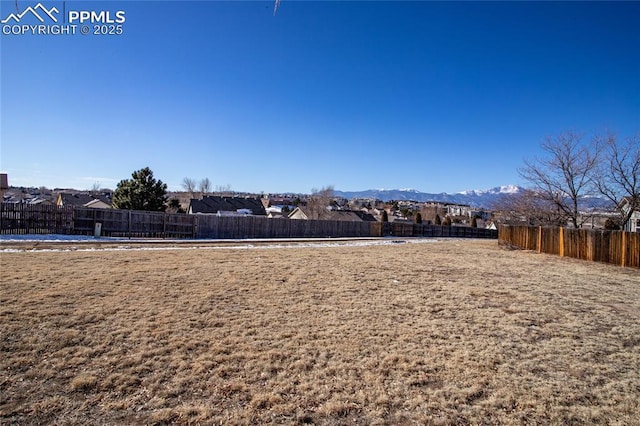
[205,186]
[319,201]
[618,175]
[224,190]
[563,177]
[95,188]
[527,207]
[189,186]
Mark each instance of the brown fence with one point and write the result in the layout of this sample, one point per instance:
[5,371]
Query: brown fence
[616,247]
[212,226]
[35,219]
[130,223]
[398,229]
[26,219]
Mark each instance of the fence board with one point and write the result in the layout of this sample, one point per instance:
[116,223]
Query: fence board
[616,247]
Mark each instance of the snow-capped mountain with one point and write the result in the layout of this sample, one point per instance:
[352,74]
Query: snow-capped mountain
[505,189]
[476,198]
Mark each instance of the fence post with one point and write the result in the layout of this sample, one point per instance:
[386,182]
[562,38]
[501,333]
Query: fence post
[194,228]
[561,241]
[27,216]
[164,225]
[624,249]
[539,242]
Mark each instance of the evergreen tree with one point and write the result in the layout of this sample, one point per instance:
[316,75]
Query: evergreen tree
[141,192]
[385,216]
[174,206]
[438,221]
[418,218]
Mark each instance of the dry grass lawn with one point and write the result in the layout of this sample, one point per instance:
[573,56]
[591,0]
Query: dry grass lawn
[447,332]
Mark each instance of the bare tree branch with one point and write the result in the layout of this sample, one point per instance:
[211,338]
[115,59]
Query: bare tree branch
[563,177]
[318,201]
[189,186]
[527,207]
[618,175]
[205,186]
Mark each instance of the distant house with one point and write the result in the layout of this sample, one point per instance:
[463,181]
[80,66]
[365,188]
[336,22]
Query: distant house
[276,215]
[38,201]
[486,224]
[458,210]
[4,184]
[634,222]
[66,199]
[304,213]
[276,212]
[227,206]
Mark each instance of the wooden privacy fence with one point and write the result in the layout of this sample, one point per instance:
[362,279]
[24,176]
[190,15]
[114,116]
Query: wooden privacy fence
[27,219]
[212,226]
[616,247]
[131,223]
[35,219]
[30,219]
[397,229]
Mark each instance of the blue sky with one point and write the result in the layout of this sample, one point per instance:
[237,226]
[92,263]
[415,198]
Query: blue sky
[436,96]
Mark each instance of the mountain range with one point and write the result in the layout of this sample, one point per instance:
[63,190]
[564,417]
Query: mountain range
[475,198]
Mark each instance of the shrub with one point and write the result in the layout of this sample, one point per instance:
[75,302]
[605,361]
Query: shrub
[611,224]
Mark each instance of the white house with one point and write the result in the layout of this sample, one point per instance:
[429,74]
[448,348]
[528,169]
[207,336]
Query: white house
[634,222]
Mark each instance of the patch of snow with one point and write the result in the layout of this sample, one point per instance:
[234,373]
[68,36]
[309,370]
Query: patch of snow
[241,244]
[58,238]
[504,189]
[509,189]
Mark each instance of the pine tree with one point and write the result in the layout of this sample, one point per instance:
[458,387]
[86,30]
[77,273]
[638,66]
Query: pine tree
[438,221]
[174,206]
[141,192]
[418,218]
[385,216]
